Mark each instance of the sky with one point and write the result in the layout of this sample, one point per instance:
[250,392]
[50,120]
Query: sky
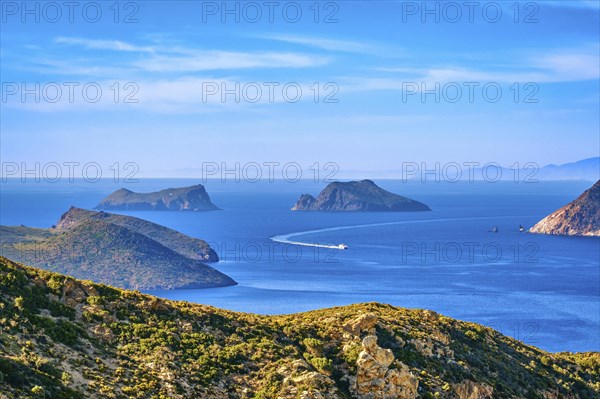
[174,86]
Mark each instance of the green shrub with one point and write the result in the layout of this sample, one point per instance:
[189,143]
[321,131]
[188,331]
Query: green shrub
[38,391]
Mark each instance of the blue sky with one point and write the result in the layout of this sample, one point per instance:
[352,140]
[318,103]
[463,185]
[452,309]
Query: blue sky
[374,58]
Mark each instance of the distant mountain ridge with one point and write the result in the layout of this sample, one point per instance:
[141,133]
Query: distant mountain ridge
[357,196]
[115,249]
[585,169]
[579,217]
[192,198]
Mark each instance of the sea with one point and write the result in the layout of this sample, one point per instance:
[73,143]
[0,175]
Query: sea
[543,290]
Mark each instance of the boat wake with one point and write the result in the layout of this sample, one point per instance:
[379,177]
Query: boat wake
[286,238]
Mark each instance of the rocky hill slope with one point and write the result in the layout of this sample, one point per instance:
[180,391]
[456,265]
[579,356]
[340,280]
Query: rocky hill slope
[580,217]
[361,195]
[193,198]
[65,338]
[114,249]
[187,246]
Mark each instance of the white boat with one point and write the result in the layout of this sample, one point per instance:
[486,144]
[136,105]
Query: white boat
[342,246]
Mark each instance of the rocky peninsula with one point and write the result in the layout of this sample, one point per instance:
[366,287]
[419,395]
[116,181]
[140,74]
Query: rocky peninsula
[580,217]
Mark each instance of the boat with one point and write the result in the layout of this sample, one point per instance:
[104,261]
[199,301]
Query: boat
[521,228]
[342,246]
[494,230]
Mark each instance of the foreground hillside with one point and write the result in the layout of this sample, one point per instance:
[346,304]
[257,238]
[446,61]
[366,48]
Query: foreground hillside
[119,250]
[64,338]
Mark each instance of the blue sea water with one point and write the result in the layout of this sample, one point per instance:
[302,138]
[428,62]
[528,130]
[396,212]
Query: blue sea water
[544,290]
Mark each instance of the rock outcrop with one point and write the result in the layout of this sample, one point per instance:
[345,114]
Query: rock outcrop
[193,198]
[578,218]
[315,385]
[376,379]
[356,196]
[472,390]
[364,322]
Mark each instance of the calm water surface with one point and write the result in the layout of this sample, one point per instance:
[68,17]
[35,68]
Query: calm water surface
[544,290]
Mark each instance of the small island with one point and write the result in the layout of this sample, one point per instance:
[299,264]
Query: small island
[193,198]
[578,218]
[357,196]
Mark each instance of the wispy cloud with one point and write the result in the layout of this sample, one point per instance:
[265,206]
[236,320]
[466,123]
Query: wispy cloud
[76,68]
[185,95]
[215,60]
[327,43]
[114,45]
[570,65]
[186,59]
[168,75]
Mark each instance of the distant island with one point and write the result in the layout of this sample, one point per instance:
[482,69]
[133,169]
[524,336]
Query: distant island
[580,217]
[67,338]
[357,196]
[193,198]
[119,250]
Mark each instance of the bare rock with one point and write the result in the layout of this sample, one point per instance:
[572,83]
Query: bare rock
[364,322]
[436,347]
[74,293]
[302,383]
[472,390]
[554,394]
[579,217]
[103,332]
[375,379]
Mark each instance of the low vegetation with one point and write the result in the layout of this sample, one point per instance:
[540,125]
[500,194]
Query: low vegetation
[64,338]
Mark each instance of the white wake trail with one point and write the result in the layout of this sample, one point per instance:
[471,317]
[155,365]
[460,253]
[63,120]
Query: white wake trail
[285,238]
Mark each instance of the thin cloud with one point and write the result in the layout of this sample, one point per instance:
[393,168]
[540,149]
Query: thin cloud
[571,66]
[554,67]
[215,60]
[114,45]
[185,95]
[76,68]
[186,59]
[326,43]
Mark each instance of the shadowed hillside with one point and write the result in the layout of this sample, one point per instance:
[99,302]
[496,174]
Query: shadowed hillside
[118,250]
